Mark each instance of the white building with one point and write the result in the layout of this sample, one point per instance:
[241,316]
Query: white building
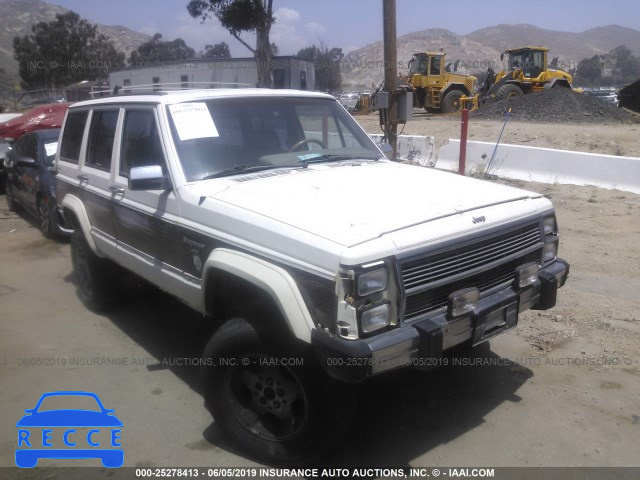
[288,72]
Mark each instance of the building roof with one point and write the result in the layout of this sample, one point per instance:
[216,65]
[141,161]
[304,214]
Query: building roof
[199,61]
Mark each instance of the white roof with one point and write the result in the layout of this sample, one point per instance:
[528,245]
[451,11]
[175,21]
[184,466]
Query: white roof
[176,96]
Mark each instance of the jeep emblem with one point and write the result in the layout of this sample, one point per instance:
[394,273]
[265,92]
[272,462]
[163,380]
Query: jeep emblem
[479,219]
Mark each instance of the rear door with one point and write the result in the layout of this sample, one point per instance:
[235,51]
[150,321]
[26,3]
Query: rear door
[97,177]
[84,168]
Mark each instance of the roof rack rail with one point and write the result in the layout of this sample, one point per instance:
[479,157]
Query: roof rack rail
[163,88]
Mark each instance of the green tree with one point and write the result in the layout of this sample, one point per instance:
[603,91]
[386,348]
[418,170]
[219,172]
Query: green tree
[240,16]
[327,65]
[590,69]
[625,64]
[219,50]
[157,50]
[66,50]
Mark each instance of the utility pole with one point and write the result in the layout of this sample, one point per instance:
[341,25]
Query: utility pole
[391,71]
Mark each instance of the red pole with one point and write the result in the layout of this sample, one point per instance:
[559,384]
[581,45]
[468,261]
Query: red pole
[463,141]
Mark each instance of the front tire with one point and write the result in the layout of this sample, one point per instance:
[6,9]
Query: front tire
[288,414]
[46,217]
[451,102]
[97,278]
[509,91]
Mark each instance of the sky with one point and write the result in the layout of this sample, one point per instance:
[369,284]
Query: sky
[351,24]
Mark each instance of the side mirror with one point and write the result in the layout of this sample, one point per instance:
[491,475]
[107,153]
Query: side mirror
[26,161]
[146,178]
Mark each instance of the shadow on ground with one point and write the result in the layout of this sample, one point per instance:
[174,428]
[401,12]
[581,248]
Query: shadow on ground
[400,416]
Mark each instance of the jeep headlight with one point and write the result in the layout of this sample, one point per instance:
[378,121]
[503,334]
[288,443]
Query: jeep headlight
[372,282]
[551,239]
[549,225]
[375,318]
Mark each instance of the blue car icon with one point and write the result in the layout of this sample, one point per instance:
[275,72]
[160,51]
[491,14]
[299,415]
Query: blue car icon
[36,431]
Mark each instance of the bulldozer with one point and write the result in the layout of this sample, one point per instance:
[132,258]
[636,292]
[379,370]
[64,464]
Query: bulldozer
[434,88]
[527,72]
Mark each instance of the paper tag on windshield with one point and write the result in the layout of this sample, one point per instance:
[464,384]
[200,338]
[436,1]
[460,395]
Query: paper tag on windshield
[51,148]
[192,120]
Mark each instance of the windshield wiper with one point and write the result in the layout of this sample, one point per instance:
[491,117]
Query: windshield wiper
[242,169]
[328,157]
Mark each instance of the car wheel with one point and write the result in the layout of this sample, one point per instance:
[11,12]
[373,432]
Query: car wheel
[288,414]
[11,201]
[97,278]
[46,217]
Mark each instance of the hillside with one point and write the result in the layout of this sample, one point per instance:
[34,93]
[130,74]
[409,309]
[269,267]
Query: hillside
[482,48]
[18,16]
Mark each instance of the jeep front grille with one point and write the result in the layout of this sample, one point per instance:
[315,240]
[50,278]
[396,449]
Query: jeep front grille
[486,264]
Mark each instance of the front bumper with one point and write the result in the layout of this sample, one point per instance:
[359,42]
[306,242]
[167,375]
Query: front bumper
[421,343]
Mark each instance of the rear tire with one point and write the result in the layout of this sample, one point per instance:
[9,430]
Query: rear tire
[509,91]
[451,102]
[97,278]
[287,414]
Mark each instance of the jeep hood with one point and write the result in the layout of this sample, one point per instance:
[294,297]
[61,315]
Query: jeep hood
[351,203]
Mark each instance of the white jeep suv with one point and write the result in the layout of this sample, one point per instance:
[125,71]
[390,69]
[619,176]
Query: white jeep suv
[272,213]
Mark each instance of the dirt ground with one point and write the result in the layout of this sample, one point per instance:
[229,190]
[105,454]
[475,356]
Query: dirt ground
[561,389]
[611,139]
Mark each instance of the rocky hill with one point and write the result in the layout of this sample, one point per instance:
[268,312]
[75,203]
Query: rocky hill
[481,48]
[18,16]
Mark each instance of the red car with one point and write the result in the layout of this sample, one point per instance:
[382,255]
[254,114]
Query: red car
[50,115]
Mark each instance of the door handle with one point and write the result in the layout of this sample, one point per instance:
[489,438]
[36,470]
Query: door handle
[83,178]
[117,190]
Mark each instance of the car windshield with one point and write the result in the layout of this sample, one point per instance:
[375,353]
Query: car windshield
[69,402]
[221,137]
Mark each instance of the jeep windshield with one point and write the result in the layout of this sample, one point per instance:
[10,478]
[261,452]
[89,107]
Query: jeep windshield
[228,136]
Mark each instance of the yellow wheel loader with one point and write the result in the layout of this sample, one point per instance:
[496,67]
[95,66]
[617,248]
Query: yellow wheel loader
[527,72]
[434,88]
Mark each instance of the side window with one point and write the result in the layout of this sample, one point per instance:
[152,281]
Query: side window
[27,146]
[141,145]
[72,136]
[30,148]
[436,63]
[101,135]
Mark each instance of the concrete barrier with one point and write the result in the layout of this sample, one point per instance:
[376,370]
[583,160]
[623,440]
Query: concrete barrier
[414,149]
[545,165]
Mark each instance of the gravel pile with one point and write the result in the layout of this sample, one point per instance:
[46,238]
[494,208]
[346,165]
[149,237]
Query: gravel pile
[556,105]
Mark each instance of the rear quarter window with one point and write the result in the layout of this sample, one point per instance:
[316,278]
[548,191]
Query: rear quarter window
[72,136]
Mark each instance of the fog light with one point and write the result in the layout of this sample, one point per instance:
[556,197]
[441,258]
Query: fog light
[550,251]
[375,318]
[526,275]
[462,302]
